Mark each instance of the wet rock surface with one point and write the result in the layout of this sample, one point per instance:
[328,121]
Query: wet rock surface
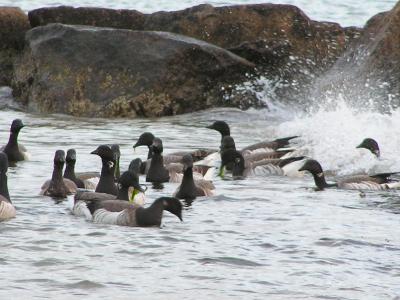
[299,57]
[371,67]
[13,25]
[93,71]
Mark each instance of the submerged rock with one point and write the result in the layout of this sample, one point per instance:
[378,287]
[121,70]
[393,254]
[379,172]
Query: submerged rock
[93,71]
[370,70]
[13,25]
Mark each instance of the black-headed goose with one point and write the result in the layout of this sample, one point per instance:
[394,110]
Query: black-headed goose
[107,176]
[57,186]
[242,168]
[15,151]
[119,212]
[157,173]
[147,139]
[357,182]
[190,188]
[265,146]
[7,210]
[81,181]
[129,190]
[371,145]
[229,143]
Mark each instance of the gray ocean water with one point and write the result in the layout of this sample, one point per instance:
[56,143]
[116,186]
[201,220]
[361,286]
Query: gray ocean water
[260,238]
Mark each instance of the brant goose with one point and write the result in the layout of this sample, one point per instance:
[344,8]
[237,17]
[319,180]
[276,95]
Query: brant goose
[371,145]
[57,186]
[242,168]
[357,182]
[157,172]
[119,212]
[129,190]
[190,188]
[15,151]
[7,210]
[147,138]
[266,146]
[107,175]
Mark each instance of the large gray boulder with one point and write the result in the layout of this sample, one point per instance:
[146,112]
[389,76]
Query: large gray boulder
[92,71]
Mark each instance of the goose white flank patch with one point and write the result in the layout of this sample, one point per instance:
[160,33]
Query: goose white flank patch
[7,209]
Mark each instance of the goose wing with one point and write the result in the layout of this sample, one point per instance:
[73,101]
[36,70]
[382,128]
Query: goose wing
[362,182]
[87,175]
[93,196]
[197,154]
[253,157]
[269,145]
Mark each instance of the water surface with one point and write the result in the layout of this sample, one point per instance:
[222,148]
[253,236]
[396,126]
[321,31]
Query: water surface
[266,237]
[260,238]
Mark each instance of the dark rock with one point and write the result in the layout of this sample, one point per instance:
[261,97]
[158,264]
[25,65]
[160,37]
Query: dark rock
[92,71]
[91,16]
[282,41]
[13,25]
[231,26]
[226,26]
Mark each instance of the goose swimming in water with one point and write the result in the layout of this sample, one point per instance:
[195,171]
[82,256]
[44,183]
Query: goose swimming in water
[242,168]
[88,180]
[57,186]
[265,146]
[147,139]
[107,175]
[157,172]
[69,172]
[357,182]
[371,145]
[15,151]
[191,188]
[7,210]
[129,190]
[119,212]
[251,157]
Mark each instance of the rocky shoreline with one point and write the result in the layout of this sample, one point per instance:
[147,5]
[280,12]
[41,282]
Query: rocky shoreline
[122,63]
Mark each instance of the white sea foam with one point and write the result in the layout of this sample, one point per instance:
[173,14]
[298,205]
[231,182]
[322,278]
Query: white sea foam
[331,135]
